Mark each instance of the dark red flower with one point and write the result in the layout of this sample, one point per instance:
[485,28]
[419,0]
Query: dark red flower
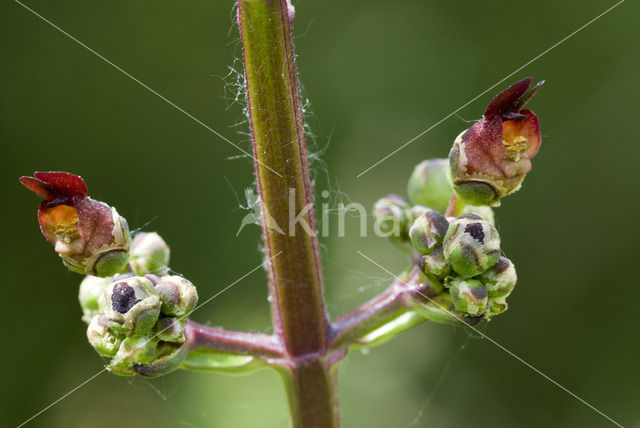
[89,235]
[490,160]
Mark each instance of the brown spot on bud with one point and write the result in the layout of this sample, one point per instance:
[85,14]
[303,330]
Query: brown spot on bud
[501,265]
[478,292]
[476,232]
[123,298]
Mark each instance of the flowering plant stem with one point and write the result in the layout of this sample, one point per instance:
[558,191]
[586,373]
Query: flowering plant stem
[282,176]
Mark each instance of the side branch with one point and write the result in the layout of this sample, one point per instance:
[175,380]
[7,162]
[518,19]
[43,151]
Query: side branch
[393,309]
[232,342]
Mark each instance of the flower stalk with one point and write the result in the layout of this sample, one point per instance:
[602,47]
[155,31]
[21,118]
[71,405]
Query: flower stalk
[284,186]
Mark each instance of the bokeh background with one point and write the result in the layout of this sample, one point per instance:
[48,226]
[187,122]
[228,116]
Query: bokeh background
[377,74]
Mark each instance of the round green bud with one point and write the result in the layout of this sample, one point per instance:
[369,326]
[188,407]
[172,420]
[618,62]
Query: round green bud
[483,211]
[112,263]
[471,245]
[500,279]
[441,309]
[132,351]
[170,329]
[390,217]
[147,356]
[177,294]
[430,185]
[132,303]
[149,254]
[468,295]
[435,264]
[476,193]
[91,296]
[428,231]
[104,340]
[168,357]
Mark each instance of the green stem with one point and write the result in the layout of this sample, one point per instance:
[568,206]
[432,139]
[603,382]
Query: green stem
[288,222]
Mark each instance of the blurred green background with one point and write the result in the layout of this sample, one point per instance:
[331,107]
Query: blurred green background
[377,74]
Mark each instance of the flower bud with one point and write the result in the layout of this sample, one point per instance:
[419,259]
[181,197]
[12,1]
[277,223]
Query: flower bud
[390,216]
[427,231]
[147,356]
[468,295]
[441,309]
[471,245]
[178,295]
[132,351]
[170,329]
[89,235]
[91,296]
[132,304]
[149,254]
[430,185]
[104,340]
[435,264]
[168,357]
[500,279]
[491,159]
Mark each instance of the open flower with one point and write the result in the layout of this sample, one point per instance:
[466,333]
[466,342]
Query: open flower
[490,160]
[89,235]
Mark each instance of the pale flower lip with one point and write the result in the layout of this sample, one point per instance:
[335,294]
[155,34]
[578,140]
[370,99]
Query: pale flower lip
[490,159]
[81,229]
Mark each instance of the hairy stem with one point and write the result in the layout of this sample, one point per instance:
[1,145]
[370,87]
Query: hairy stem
[232,342]
[385,315]
[288,223]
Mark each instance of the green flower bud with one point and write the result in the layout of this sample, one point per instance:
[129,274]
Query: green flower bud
[435,264]
[476,192]
[149,254]
[104,340]
[483,211]
[441,309]
[168,358]
[500,279]
[471,245]
[468,295]
[178,295]
[427,231]
[391,219]
[430,185]
[170,329]
[112,263]
[132,351]
[132,305]
[91,296]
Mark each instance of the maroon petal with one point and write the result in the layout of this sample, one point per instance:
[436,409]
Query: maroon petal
[508,100]
[483,147]
[528,95]
[36,186]
[95,222]
[62,184]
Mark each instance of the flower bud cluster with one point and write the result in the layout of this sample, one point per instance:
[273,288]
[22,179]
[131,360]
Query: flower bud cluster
[465,256]
[138,322]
